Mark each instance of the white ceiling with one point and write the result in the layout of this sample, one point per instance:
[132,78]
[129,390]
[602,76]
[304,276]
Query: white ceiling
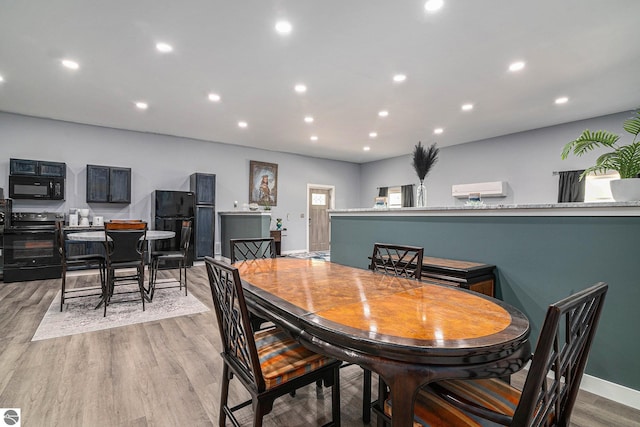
[345,51]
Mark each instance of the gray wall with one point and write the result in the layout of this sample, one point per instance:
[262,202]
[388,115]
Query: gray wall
[524,160]
[164,163]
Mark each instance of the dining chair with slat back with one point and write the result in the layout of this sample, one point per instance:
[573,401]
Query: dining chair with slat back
[251,356]
[84,260]
[550,388]
[180,256]
[395,260]
[126,245]
[253,248]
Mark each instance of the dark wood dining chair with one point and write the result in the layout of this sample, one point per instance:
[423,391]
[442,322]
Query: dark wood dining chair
[126,244]
[84,260]
[395,260]
[253,248]
[550,389]
[249,356]
[180,256]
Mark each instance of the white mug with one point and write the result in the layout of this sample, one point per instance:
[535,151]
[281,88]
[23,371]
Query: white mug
[98,221]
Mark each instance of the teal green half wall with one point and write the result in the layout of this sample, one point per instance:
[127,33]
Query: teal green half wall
[539,260]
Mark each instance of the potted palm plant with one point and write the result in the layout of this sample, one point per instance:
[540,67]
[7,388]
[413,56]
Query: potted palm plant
[625,159]
[423,161]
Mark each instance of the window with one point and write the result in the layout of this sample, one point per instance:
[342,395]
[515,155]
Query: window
[395,197]
[597,187]
[318,199]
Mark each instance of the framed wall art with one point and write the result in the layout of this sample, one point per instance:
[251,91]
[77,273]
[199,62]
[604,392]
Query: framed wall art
[263,183]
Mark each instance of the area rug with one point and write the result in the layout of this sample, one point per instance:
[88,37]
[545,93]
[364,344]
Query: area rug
[80,316]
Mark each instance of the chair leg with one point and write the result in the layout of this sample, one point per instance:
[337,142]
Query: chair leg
[106,290]
[141,284]
[258,414]
[64,277]
[153,275]
[366,396]
[184,265]
[224,394]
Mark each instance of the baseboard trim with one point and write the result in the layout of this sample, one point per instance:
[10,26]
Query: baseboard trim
[612,391]
[618,393]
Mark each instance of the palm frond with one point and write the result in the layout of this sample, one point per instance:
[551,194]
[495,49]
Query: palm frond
[632,125]
[588,141]
[424,159]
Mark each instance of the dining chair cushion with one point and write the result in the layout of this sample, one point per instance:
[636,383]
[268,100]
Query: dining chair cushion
[282,358]
[432,411]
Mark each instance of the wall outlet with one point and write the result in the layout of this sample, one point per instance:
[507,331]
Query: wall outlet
[302,215]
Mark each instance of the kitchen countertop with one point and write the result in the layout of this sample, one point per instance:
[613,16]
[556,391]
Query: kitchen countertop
[533,209]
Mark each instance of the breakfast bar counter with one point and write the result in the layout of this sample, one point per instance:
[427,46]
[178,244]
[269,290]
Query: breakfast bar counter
[541,253]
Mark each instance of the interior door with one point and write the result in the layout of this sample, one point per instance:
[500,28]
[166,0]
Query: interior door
[319,231]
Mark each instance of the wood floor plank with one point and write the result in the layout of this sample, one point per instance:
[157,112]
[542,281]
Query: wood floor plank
[162,373]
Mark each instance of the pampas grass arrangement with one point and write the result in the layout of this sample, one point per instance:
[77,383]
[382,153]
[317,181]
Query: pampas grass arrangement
[424,159]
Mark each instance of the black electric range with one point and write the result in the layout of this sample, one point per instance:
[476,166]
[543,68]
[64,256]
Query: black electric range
[30,247]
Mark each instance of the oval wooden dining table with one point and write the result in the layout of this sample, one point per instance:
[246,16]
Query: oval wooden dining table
[407,331]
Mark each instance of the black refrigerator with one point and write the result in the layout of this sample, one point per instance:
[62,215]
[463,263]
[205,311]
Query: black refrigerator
[204,187]
[169,209]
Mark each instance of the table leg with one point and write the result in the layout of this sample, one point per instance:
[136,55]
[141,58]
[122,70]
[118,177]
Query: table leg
[404,387]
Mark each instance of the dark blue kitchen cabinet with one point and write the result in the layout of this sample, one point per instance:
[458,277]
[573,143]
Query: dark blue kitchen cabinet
[108,184]
[37,168]
[204,187]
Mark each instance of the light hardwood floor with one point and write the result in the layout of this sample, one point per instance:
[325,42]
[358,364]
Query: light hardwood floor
[163,373]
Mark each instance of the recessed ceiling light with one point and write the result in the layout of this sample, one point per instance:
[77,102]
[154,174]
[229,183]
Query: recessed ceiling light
[366,148]
[142,105]
[516,66]
[467,107]
[399,78]
[438,131]
[383,113]
[562,100]
[300,88]
[214,97]
[373,134]
[73,65]
[242,124]
[314,137]
[164,47]
[1,79]
[433,5]
[283,27]
[308,119]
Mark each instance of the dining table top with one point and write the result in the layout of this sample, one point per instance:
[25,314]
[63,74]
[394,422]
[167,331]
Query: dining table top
[99,236]
[414,319]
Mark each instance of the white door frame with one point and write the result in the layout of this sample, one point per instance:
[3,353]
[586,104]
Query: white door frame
[332,191]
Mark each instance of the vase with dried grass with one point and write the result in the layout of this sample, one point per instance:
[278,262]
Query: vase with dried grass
[423,161]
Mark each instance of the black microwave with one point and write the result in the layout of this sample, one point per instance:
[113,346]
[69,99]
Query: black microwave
[36,187]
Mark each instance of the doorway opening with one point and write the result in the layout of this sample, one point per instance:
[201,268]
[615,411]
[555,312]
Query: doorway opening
[320,198]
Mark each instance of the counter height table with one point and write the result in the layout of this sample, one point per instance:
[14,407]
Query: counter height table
[99,236]
[409,332]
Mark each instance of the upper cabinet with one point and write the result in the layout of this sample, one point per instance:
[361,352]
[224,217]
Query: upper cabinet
[108,184]
[37,168]
[204,187]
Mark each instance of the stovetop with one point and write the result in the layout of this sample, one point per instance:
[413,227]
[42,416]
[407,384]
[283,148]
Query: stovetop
[35,220]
